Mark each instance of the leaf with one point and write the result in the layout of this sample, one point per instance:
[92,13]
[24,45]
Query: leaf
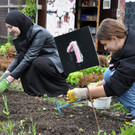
[7,113]
[80,129]
[71,115]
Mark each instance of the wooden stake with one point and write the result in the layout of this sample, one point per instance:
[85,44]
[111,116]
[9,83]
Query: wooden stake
[91,100]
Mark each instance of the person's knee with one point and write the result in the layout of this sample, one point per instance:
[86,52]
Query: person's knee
[41,64]
[36,63]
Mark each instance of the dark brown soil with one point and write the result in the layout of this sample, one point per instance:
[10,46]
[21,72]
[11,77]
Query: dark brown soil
[72,121]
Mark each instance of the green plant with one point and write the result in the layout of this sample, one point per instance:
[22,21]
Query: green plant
[103,61]
[19,5]
[9,38]
[4,48]
[113,133]
[119,107]
[10,52]
[126,130]
[53,99]
[8,57]
[16,87]
[7,128]
[21,126]
[73,77]
[5,110]
[5,62]
[90,78]
[95,69]
[101,132]
[30,9]
[33,127]
[61,101]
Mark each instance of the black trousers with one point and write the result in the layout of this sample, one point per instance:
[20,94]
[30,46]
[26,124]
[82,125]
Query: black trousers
[42,78]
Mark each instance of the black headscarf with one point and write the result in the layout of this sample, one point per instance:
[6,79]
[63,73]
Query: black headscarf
[20,20]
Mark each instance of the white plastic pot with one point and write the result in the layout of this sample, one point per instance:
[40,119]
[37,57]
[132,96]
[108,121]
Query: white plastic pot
[101,103]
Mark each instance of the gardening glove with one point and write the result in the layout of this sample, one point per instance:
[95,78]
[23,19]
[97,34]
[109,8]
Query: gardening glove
[3,85]
[4,76]
[76,93]
[79,93]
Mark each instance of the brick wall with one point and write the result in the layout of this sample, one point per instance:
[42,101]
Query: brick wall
[16,2]
[3,31]
[3,12]
[130,15]
[3,2]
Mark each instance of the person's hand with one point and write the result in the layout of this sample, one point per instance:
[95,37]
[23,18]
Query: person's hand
[70,96]
[96,85]
[76,93]
[4,76]
[79,93]
[3,85]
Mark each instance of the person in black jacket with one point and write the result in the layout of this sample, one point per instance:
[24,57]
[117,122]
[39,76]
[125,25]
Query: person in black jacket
[119,78]
[37,62]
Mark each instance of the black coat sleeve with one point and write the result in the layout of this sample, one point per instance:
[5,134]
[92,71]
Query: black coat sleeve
[122,79]
[13,64]
[31,54]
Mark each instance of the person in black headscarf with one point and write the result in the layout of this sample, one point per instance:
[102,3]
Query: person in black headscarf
[37,62]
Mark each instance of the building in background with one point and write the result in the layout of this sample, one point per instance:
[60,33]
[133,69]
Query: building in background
[7,5]
[130,15]
[63,16]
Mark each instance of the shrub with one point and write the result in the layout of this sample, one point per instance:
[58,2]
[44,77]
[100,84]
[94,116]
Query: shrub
[8,57]
[103,61]
[90,78]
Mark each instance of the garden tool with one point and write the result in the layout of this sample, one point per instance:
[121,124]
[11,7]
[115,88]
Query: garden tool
[59,107]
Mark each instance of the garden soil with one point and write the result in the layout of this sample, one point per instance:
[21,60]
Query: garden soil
[26,111]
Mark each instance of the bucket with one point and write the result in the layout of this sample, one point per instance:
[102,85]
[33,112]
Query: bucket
[101,103]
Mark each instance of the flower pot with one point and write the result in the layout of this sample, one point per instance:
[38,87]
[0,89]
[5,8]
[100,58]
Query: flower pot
[101,103]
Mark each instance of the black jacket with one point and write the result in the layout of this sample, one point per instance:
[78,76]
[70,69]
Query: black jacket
[124,64]
[38,42]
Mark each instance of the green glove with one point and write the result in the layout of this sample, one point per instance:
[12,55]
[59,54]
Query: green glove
[3,85]
[4,76]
